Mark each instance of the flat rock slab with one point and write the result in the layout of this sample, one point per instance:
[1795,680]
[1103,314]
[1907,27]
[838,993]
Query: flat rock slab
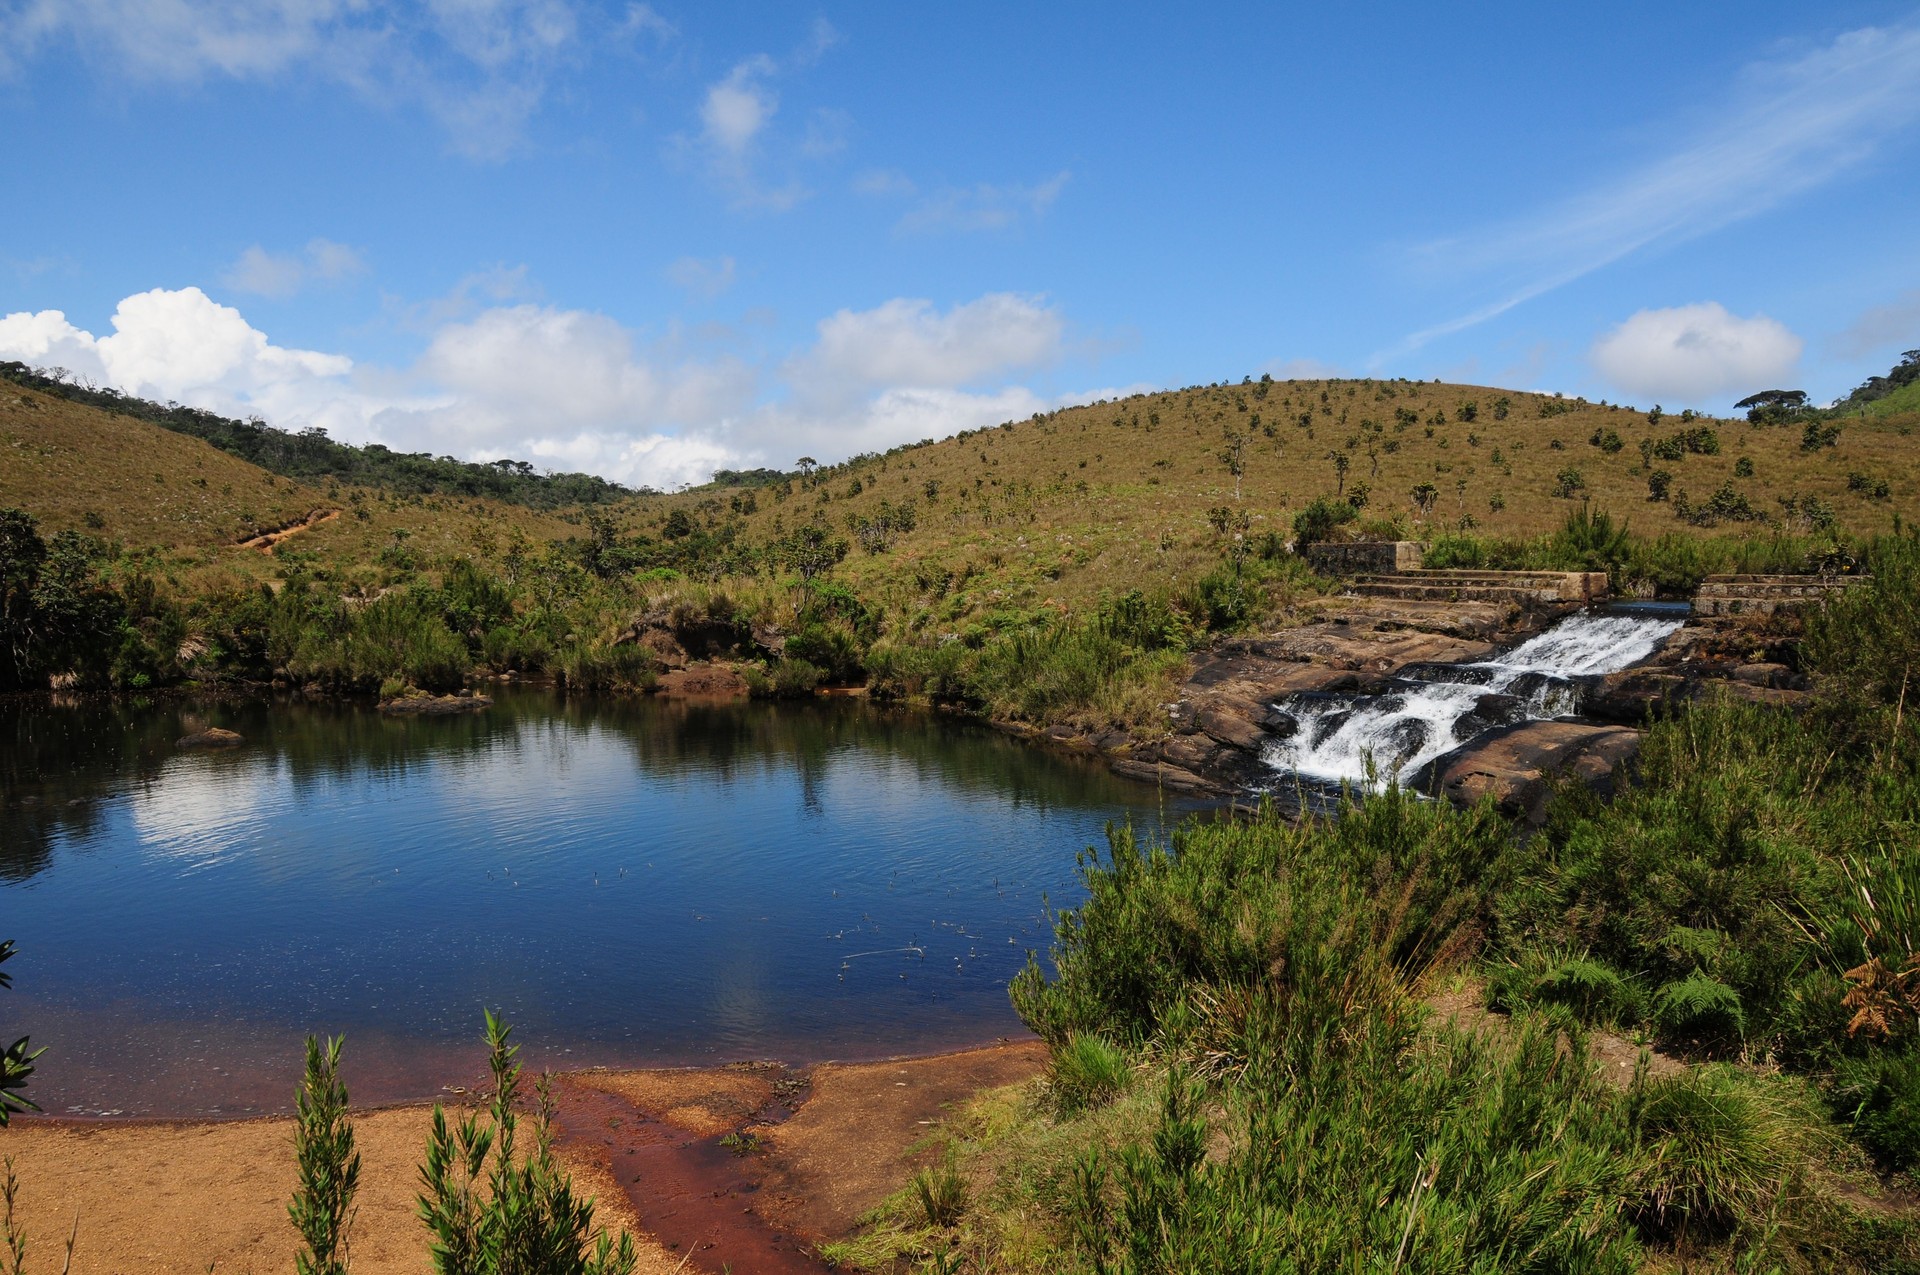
[1516,764]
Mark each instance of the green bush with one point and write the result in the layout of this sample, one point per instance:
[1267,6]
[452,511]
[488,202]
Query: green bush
[1594,992]
[830,647]
[942,1192]
[787,678]
[1716,1151]
[492,1208]
[329,1167]
[1319,520]
[1087,1071]
[605,667]
[1699,1011]
[1879,1096]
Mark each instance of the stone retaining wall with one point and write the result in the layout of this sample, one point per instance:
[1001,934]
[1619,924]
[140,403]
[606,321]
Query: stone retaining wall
[1731,595]
[1336,558]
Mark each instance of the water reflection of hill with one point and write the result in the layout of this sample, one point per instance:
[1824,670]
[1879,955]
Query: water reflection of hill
[61,761]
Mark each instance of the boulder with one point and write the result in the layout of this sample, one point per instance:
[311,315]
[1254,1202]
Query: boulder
[1163,774]
[1516,765]
[703,681]
[212,737]
[1776,677]
[1232,730]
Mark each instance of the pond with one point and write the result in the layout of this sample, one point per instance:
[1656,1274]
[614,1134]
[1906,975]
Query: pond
[632,883]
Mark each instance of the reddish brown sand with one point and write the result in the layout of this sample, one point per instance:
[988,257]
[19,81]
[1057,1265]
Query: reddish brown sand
[183,1196]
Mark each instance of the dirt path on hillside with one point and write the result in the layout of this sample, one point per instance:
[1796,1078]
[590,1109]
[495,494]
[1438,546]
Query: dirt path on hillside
[266,541]
[805,1153]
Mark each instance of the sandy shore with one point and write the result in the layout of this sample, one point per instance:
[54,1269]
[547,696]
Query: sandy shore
[186,1196]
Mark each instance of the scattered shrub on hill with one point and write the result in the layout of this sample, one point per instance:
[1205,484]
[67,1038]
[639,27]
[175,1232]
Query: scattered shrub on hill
[1569,483]
[1816,436]
[1869,486]
[1320,519]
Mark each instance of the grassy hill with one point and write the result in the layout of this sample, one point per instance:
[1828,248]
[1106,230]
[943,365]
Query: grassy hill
[1049,512]
[1113,495]
[1903,402]
[123,480]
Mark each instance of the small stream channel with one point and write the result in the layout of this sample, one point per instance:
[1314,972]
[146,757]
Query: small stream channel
[1428,710]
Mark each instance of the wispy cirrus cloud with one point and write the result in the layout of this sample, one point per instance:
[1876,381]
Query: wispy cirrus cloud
[281,275]
[1787,127]
[737,113]
[480,68]
[950,209]
[982,207]
[1892,325]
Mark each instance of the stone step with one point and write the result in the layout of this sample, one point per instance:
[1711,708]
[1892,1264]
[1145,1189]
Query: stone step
[1551,584]
[1534,586]
[1415,592]
[1834,581]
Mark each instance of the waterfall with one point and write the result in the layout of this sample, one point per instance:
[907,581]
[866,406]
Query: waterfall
[1433,709]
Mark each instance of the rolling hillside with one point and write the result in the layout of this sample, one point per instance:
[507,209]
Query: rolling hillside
[1045,512]
[123,480]
[1114,494]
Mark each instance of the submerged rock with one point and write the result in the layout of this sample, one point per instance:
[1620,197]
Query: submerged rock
[213,737]
[435,705]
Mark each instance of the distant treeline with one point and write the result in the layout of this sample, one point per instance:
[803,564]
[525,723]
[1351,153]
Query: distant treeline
[310,456]
[1875,388]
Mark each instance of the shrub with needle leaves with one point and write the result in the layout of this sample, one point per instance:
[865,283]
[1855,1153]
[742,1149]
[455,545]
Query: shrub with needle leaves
[322,1207]
[493,1212]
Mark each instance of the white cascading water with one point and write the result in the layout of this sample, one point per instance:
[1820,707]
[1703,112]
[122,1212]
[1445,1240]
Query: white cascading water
[1345,739]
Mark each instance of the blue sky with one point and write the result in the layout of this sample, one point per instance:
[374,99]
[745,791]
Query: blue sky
[648,240]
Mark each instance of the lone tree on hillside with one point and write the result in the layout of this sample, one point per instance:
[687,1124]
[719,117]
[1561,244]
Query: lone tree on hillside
[1770,407]
[1234,457]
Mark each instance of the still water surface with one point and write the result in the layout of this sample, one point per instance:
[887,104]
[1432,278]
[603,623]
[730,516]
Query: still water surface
[633,883]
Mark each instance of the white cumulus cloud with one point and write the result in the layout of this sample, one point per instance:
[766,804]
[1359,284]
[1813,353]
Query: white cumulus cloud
[170,345]
[1695,353]
[738,107]
[908,341]
[572,389]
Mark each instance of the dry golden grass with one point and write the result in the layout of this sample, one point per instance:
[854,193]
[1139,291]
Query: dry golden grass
[77,468]
[144,485]
[1110,496]
[1045,513]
